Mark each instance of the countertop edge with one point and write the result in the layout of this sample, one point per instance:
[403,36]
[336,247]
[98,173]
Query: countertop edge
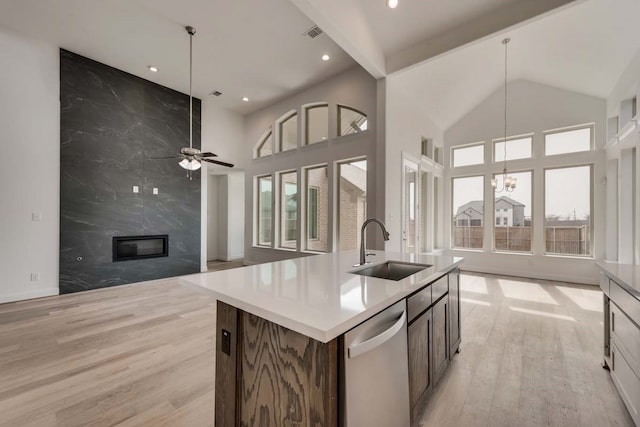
[622,281]
[325,336]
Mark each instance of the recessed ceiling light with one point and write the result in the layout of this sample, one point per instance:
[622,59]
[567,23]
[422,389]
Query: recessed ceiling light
[392,4]
[245,99]
[325,57]
[153,69]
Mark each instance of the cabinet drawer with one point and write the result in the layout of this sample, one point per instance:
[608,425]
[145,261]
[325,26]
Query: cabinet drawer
[626,382]
[626,335]
[419,302]
[439,288]
[627,302]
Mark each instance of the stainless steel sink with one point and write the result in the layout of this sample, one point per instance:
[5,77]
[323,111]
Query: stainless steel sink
[392,270]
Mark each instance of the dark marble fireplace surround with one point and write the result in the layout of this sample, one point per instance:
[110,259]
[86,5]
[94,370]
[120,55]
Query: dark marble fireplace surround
[111,124]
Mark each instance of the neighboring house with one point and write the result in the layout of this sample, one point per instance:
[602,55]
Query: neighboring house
[470,214]
[509,213]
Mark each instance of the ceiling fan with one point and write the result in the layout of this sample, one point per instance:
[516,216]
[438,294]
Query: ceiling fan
[192,158]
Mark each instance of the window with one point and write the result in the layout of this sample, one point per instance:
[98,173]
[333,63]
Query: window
[288,209]
[317,123]
[568,141]
[350,120]
[288,136]
[567,210]
[312,213]
[265,145]
[264,202]
[518,148]
[317,183]
[513,214]
[352,202]
[468,212]
[467,155]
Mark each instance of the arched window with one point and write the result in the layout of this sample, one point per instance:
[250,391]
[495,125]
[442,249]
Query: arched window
[316,122]
[264,147]
[350,120]
[287,134]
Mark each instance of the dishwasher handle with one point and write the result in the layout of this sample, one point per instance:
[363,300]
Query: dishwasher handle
[368,345]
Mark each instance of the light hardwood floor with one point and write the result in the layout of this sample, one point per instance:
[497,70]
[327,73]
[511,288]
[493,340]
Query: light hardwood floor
[530,356]
[143,355]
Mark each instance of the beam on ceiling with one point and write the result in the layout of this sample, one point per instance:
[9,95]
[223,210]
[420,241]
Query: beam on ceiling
[344,23]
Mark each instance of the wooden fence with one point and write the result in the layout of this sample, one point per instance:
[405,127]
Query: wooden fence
[558,240]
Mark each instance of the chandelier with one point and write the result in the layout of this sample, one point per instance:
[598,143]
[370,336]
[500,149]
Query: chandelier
[508,183]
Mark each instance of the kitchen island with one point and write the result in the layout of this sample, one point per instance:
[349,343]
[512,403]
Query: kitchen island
[280,357]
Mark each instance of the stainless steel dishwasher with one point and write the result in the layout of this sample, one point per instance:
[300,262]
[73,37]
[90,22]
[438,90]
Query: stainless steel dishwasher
[376,377]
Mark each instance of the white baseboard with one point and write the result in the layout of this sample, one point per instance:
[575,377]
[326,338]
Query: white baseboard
[21,296]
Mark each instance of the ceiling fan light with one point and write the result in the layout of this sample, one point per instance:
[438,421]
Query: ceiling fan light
[184,163]
[190,165]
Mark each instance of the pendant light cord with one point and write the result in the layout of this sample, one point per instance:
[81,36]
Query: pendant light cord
[505,42]
[190,87]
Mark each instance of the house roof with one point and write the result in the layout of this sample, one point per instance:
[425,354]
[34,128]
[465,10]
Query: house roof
[510,201]
[478,205]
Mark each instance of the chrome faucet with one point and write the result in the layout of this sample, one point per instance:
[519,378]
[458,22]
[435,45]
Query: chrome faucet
[385,235]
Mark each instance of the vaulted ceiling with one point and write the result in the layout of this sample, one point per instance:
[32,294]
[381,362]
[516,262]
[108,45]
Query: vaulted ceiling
[446,54]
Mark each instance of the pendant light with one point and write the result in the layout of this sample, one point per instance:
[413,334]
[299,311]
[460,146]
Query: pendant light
[190,164]
[508,182]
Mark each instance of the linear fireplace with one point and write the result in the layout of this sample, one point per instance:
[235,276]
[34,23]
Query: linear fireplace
[140,247]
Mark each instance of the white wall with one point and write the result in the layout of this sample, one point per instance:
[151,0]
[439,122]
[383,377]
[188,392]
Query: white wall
[355,88]
[30,173]
[223,132]
[212,217]
[406,125]
[623,201]
[532,108]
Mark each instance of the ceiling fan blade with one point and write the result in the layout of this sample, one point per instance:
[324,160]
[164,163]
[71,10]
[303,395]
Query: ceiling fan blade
[162,158]
[208,154]
[229,165]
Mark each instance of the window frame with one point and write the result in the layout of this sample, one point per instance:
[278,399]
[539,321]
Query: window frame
[264,138]
[496,141]
[311,226]
[306,108]
[591,166]
[506,211]
[257,212]
[279,124]
[468,221]
[338,175]
[340,107]
[590,126]
[464,146]
[281,218]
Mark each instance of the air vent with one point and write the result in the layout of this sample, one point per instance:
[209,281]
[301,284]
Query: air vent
[313,32]
[216,93]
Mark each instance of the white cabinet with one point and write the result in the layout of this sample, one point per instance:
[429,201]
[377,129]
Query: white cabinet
[622,342]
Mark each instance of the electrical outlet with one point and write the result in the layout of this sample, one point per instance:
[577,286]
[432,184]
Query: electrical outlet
[155,191]
[36,216]
[136,189]
[35,277]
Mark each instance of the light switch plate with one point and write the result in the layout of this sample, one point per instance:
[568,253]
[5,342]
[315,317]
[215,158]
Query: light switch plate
[155,191]
[136,189]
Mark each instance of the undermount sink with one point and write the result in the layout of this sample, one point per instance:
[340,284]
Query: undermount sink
[392,270]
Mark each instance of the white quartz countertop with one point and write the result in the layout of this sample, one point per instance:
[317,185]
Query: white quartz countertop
[317,295]
[626,275]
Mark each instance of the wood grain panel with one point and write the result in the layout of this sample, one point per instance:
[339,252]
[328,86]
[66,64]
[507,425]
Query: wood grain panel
[287,378]
[419,335]
[439,343]
[226,366]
